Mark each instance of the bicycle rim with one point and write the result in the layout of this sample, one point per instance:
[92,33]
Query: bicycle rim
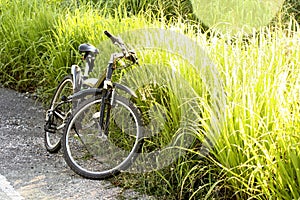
[58,117]
[95,153]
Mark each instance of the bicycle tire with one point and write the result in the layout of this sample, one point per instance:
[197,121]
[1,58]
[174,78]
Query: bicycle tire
[54,124]
[95,155]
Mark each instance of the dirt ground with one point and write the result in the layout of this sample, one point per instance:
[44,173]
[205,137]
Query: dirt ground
[30,169]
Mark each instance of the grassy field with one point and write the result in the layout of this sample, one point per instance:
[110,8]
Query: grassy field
[256,153]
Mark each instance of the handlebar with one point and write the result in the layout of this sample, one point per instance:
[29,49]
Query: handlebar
[114,39]
[119,42]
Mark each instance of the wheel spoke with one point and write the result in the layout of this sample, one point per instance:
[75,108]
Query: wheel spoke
[97,153]
[57,114]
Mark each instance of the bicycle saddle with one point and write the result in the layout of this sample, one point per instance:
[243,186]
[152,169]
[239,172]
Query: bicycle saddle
[88,48]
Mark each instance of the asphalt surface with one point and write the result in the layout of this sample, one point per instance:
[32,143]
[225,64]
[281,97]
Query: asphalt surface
[28,171]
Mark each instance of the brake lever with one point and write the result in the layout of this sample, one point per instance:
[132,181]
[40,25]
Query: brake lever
[132,57]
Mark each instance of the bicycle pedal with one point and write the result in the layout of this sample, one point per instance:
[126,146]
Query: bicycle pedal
[51,128]
[64,98]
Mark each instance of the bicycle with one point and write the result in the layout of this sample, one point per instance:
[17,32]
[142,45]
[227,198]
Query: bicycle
[103,135]
[60,107]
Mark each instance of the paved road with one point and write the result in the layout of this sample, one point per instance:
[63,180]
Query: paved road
[28,171]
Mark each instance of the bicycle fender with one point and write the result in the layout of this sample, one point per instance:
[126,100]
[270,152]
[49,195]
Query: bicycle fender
[86,92]
[126,89]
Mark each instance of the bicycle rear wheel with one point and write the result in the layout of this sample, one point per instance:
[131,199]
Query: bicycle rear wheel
[95,153]
[57,114]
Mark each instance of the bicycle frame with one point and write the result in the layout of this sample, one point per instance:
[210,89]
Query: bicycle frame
[83,88]
[107,89]
[104,82]
[104,85]
[104,120]
[83,80]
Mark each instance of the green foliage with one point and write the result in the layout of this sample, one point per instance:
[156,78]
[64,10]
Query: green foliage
[168,9]
[39,41]
[257,153]
[176,9]
[262,112]
[25,32]
[293,8]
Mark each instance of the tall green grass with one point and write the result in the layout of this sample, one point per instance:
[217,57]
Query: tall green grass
[25,29]
[260,137]
[39,40]
[257,152]
[256,155]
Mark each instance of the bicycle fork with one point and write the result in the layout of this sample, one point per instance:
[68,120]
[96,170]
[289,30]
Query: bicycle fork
[107,102]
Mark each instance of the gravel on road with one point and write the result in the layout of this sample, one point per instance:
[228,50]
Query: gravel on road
[30,169]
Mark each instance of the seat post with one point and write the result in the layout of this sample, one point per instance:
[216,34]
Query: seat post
[89,57]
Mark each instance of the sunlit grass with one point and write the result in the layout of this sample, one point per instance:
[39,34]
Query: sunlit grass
[262,85]
[256,153]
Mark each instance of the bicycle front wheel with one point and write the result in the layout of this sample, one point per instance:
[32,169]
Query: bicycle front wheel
[97,153]
[57,114]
